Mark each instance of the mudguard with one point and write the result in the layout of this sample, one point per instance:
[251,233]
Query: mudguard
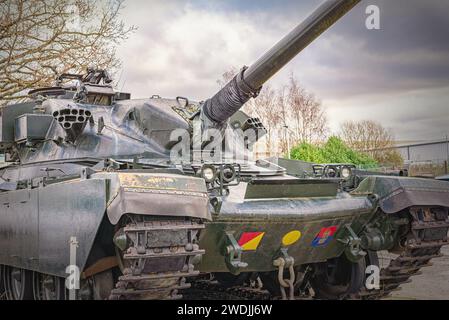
[398,193]
[158,194]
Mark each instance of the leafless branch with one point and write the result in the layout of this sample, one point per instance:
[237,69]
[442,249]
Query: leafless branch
[40,38]
[372,138]
[292,107]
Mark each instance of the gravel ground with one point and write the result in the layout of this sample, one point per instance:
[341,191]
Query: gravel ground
[432,284]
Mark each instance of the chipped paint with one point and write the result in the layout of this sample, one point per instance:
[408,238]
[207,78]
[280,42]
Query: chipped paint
[161,182]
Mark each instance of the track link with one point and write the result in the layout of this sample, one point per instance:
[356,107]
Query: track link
[209,289]
[427,234]
[160,256]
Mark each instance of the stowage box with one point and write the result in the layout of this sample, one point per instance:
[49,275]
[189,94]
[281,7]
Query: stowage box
[29,127]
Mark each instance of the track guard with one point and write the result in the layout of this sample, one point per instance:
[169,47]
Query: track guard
[143,193]
[398,193]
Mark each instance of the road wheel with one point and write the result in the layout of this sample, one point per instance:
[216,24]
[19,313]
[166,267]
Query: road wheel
[271,283]
[338,278]
[46,287]
[2,286]
[229,280]
[18,284]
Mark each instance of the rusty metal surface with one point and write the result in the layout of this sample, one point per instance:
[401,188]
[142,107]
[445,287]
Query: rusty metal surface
[158,194]
[156,264]
[99,266]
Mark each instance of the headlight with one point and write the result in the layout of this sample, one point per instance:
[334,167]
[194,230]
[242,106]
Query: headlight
[208,173]
[345,172]
[331,172]
[228,173]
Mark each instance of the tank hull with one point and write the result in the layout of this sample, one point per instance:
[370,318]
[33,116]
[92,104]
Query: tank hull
[276,218]
[38,223]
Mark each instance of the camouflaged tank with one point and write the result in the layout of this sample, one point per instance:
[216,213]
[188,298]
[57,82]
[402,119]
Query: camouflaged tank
[106,188]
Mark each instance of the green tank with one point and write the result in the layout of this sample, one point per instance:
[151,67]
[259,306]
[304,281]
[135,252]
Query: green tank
[157,199]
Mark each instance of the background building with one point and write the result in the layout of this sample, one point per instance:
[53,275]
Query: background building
[432,151]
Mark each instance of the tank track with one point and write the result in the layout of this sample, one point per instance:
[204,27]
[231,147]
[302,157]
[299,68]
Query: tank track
[208,289]
[428,233]
[159,257]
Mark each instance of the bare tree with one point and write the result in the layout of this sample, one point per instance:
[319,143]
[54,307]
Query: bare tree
[266,107]
[366,135]
[42,38]
[372,138]
[227,76]
[291,115]
[287,136]
[310,122]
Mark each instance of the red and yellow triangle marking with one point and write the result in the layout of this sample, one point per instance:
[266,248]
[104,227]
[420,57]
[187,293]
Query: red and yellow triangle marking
[250,240]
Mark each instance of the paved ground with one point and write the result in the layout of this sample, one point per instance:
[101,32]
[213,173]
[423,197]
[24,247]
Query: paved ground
[432,284]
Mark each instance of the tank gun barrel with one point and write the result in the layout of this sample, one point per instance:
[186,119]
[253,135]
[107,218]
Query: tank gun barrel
[249,81]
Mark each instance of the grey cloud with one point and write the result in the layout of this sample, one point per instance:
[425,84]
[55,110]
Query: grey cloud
[181,48]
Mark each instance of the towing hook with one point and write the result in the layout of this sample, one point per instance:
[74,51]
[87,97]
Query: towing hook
[353,249]
[285,261]
[233,254]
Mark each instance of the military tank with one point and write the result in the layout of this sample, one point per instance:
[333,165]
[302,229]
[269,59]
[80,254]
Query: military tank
[134,199]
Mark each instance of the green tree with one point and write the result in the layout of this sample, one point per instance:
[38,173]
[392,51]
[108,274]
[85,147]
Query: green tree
[307,152]
[333,151]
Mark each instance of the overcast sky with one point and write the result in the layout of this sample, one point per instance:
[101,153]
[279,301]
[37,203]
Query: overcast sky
[398,74]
